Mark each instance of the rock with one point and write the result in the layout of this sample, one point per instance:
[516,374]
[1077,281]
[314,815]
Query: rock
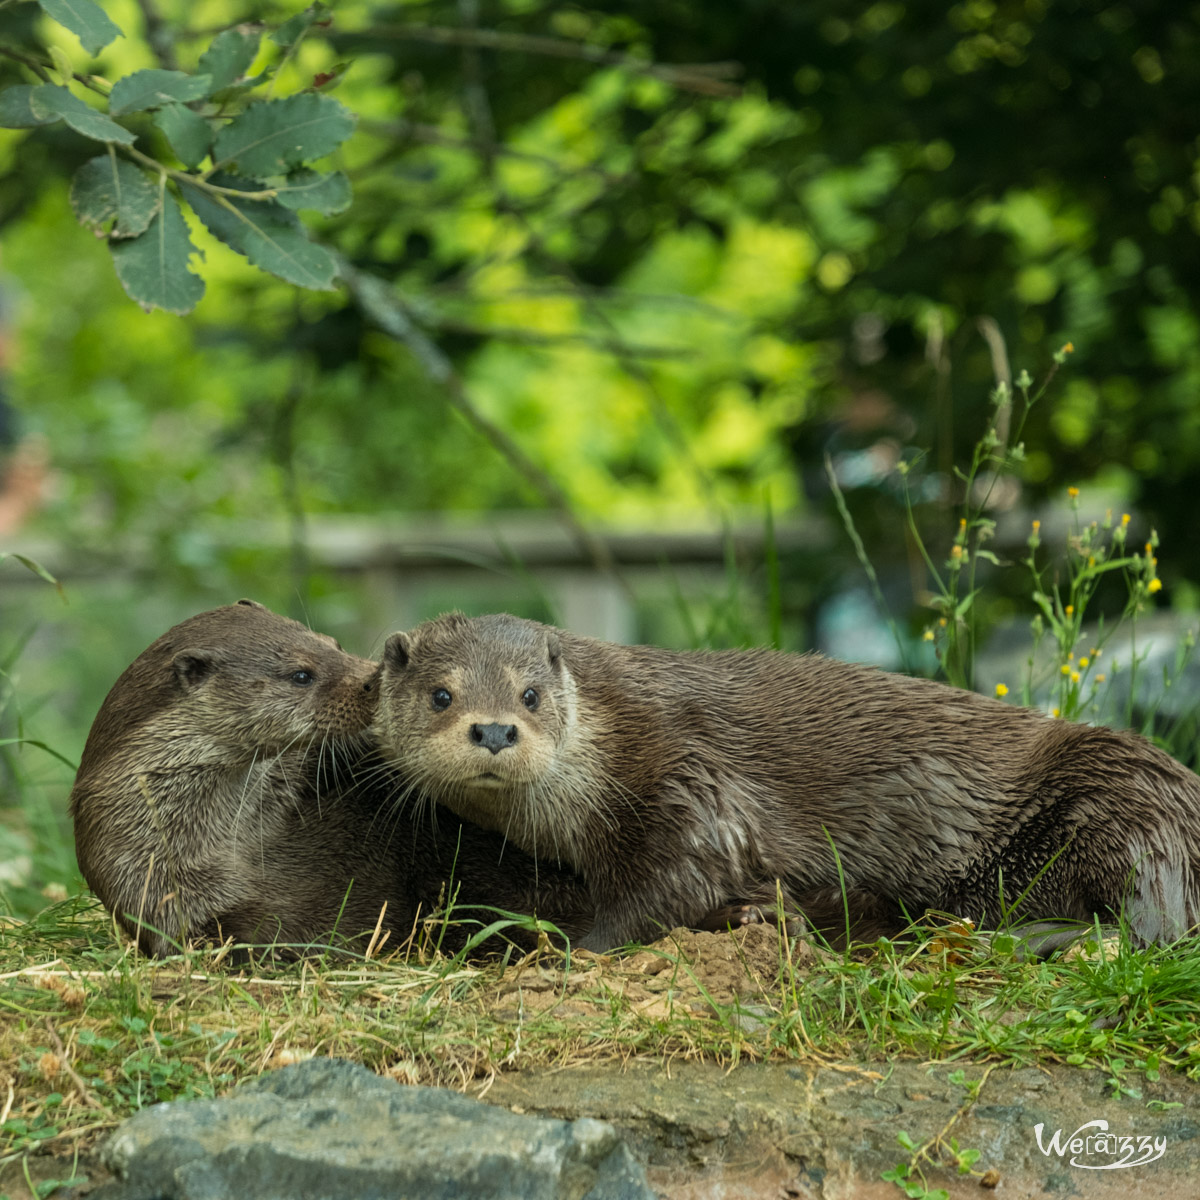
[331,1129]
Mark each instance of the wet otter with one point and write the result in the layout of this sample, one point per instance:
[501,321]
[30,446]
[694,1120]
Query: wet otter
[228,787]
[672,779]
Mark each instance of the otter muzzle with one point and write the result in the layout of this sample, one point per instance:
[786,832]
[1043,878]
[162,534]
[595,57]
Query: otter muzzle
[494,737]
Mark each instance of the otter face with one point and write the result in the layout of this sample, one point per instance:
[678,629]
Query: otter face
[472,706]
[264,683]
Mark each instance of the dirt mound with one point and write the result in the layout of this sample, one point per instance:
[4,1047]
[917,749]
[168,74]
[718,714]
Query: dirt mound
[685,971]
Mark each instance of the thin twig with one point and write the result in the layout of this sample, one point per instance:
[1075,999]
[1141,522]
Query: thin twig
[195,181]
[43,71]
[533,337]
[158,35]
[431,135]
[864,559]
[479,111]
[381,304]
[84,1092]
[283,449]
[708,79]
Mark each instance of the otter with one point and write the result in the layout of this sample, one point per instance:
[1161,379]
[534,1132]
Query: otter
[671,779]
[229,787]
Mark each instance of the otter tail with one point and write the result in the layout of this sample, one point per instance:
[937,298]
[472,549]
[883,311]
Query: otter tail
[1165,902]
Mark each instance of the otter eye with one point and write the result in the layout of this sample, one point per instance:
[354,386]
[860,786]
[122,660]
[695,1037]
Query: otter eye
[302,678]
[530,699]
[441,698]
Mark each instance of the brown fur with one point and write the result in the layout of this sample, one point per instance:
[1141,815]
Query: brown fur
[673,779]
[218,795]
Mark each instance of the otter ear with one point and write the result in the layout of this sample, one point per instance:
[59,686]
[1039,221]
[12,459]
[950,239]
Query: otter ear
[253,604]
[397,651]
[194,666]
[553,648]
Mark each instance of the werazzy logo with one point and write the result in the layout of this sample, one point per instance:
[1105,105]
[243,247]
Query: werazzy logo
[1120,1150]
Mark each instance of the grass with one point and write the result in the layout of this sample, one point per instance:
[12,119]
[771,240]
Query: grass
[93,1032]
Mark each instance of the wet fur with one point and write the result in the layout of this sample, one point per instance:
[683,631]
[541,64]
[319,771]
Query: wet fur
[218,798]
[673,779]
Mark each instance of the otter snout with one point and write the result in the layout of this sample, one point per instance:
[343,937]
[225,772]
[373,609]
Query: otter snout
[494,737]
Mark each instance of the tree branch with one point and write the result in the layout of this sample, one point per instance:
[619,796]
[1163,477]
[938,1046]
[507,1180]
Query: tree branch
[707,79]
[379,302]
[535,337]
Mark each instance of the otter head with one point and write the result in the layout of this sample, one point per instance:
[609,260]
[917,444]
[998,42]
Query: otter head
[472,706]
[253,683]
[163,803]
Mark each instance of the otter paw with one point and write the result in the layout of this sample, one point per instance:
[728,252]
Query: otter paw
[732,916]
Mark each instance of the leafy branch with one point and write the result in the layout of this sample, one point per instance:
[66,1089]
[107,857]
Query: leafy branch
[247,157]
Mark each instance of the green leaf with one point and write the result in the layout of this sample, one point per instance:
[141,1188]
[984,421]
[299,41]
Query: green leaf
[62,65]
[41,746]
[152,88]
[54,102]
[273,136]
[87,21]
[34,566]
[293,30]
[960,610]
[229,56]
[153,268]
[106,187]
[188,132]
[16,111]
[268,234]
[309,189]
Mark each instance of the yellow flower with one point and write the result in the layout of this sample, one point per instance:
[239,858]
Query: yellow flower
[962,524]
[1001,689]
[1074,676]
[1083,662]
[1124,518]
[1073,492]
[928,635]
[1055,713]
[1155,585]
[1066,670]
[1069,610]
[1036,526]
[1069,348]
[956,551]
[942,622]
[1101,678]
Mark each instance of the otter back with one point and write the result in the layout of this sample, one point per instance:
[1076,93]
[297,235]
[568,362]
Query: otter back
[671,780]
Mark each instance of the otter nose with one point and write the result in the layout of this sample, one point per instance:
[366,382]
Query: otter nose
[494,737]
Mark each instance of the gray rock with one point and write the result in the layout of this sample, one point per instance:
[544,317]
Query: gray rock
[330,1129]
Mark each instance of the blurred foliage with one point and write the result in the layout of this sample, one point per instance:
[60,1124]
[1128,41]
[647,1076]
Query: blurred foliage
[671,290]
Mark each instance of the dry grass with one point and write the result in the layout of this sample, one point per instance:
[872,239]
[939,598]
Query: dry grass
[91,1032]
